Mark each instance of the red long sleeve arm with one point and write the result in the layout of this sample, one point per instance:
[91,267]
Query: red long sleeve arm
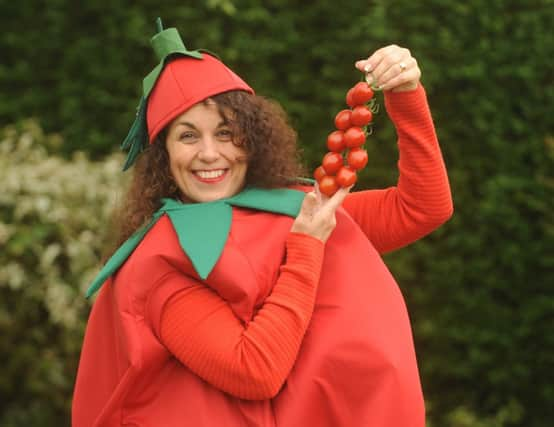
[421,201]
[248,361]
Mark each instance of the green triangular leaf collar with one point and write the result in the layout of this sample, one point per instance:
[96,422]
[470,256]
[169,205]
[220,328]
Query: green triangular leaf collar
[203,228]
[167,44]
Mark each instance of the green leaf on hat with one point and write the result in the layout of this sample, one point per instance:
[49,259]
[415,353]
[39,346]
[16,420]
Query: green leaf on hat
[137,138]
[167,44]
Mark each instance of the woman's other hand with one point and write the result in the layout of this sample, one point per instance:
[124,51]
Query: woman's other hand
[391,68]
[317,214]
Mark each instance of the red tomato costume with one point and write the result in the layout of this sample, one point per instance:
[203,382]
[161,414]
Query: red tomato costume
[356,365]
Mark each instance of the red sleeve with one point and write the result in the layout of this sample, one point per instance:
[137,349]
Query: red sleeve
[248,361]
[421,201]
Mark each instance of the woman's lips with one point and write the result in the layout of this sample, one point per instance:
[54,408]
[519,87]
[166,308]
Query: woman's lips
[210,176]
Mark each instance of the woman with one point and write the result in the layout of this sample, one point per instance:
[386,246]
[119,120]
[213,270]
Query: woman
[244,300]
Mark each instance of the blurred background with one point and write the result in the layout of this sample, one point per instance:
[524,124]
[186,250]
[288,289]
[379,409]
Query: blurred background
[479,290]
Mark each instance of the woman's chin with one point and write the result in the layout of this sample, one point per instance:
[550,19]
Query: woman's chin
[209,195]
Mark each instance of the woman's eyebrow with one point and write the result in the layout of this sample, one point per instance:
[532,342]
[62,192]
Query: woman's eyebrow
[190,125]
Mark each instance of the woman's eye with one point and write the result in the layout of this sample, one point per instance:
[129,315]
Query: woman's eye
[187,137]
[225,134]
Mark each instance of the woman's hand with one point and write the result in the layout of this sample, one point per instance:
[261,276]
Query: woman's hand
[317,214]
[391,68]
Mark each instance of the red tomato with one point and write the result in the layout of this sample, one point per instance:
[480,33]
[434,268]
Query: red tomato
[361,115]
[332,162]
[362,93]
[335,141]
[328,185]
[354,137]
[357,158]
[349,99]
[346,176]
[319,173]
[342,120]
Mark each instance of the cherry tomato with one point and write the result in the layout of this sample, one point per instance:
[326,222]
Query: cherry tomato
[362,93]
[346,176]
[354,137]
[319,173]
[335,141]
[342,120]
[357,158]
[328,185]
[361,115]
[349,99]
[332,162]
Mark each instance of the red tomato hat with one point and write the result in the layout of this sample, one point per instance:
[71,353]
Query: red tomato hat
[181,79]
[183,83]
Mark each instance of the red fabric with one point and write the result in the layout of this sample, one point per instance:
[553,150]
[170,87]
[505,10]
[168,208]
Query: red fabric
[250,361]
[356,364]
[184,82]
[142,384]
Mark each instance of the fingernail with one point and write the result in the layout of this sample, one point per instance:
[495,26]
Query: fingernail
[367,68]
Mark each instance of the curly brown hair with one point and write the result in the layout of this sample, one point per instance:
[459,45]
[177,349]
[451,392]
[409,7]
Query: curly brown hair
[261,126]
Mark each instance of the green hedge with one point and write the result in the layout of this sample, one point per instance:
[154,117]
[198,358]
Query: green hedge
[479,289]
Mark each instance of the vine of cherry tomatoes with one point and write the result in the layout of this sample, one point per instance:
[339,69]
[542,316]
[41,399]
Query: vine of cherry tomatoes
[346,155]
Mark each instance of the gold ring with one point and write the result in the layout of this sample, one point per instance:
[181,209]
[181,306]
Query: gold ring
[402,66]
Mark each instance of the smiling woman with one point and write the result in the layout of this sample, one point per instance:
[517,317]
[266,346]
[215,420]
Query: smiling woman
[236,296]
[258,125]
[205,158]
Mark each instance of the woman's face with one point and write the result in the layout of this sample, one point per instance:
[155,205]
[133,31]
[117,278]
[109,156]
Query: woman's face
[203,160]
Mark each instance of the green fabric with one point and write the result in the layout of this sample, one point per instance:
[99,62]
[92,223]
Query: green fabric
[120,255]
[166,44]
[203,228]
[137,138]
[281,201]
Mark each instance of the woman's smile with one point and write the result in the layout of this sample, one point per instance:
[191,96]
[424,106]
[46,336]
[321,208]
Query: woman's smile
[210,176]
[204,159]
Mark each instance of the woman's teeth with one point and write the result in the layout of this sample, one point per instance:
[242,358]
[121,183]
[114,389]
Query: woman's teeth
[210,174]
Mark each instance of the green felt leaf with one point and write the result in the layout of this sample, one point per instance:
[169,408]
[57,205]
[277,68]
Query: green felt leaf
[137,138]
[202,230]
[120,256]
[151,79]
[168,42]
[283,201]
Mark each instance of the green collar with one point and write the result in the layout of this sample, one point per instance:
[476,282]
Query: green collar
[203,228]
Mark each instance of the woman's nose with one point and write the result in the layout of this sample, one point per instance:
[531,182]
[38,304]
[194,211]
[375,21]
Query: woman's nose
[208,150]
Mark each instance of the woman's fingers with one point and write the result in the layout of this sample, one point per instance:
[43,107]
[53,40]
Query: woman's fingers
[309,205]
[391,68]
[317,217]
[330,205]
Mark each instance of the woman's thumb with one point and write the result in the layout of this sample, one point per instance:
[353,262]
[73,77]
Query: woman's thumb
[309,205]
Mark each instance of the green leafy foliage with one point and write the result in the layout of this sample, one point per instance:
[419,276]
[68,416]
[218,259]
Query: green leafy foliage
[479,289]
[53,216]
